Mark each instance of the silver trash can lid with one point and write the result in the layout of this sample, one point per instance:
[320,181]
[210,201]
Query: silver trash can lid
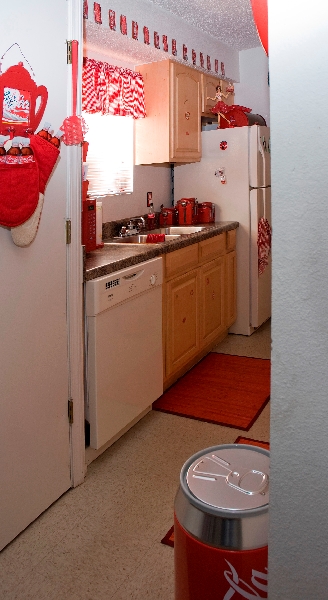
[234,478]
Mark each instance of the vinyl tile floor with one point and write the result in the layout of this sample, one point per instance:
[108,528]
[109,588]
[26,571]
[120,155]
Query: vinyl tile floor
[101,540]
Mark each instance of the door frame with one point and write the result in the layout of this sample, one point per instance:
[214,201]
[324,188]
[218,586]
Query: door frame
[74,264]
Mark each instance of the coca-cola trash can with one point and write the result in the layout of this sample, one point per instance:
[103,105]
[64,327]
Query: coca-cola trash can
[221,524]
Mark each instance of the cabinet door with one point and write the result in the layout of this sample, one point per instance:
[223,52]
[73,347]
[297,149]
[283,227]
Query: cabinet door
[185,113]
[209,84]
[230,288]
[182,337]
[212,318]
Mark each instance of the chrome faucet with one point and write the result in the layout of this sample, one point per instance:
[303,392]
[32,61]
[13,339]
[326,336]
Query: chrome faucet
[133,227]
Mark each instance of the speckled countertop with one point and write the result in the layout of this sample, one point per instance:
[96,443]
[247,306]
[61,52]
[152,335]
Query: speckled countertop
[114,257]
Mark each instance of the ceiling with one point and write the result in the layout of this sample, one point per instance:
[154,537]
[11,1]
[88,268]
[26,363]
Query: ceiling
[230,21]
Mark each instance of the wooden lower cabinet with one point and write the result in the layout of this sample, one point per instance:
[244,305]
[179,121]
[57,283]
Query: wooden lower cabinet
[212,317]
[199,303]
[182,331]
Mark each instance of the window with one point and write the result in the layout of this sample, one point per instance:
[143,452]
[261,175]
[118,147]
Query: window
[110,154]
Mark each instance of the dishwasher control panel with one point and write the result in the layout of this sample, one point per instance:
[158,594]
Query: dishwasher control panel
[104,292]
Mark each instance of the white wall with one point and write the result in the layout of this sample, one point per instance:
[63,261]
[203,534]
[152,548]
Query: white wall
[253,90]
[298,46]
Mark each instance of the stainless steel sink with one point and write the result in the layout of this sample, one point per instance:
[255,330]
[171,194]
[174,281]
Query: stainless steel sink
[141,238]
[182,229]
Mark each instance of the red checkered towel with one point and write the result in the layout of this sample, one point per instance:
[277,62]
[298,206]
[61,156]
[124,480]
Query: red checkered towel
[263,244]
[111,90]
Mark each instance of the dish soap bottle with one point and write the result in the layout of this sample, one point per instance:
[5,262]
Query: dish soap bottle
[151,217]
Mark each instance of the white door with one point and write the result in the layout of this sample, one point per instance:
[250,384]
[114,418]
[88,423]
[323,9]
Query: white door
[260,285]
[34,428]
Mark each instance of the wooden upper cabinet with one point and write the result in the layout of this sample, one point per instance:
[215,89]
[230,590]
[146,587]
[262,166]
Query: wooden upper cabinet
[209,83]
[171,130]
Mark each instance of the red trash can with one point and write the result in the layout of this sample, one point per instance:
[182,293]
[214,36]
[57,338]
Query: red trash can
[221,524]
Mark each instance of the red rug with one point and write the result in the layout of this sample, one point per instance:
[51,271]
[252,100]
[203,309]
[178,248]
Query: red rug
[168,539]
[249,441]
[222,389]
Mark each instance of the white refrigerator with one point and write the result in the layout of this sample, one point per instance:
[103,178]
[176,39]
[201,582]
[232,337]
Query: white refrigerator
[234,174]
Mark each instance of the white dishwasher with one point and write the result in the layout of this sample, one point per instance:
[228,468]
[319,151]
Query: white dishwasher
[124,361]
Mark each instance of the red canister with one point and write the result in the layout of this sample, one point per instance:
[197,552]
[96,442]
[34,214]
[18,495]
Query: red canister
[221,524]
[168,216]
[187,211]
[206,212]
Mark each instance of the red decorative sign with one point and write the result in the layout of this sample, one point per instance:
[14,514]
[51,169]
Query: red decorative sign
[201,59]
[193,57]
[222,69]
[112,21]
[146,35]
[165,43]
[134,30]
[216,65]
[156,40]
[123,25]
[185,52]
[174,47]
[97,12]
[208,63]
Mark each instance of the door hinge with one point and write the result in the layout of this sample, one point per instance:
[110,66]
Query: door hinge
[69,51]
[70,411]
[68,226]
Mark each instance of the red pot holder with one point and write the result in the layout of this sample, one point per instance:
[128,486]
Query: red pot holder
[21,180]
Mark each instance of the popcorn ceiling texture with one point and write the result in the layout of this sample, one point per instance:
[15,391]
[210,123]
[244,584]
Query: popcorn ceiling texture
[230,21]
[100,38]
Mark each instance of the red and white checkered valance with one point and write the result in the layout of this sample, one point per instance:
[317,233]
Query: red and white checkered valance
[111,90]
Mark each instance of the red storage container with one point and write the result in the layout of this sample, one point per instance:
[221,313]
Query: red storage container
[168,216]
[206,212]
[187,211]
[221,524]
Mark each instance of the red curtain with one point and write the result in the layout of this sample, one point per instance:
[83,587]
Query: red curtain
[111,90]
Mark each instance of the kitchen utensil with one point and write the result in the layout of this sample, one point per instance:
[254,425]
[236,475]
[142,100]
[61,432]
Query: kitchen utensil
[74,127]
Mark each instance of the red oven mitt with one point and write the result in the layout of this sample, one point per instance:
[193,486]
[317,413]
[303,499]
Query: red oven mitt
[20,183]
[46,155]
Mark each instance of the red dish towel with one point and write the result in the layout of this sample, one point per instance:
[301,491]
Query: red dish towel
[154,238]
[263,244]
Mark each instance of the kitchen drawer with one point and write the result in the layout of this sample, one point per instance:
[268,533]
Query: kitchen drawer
[231,240]
[181,261]
[212,248]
